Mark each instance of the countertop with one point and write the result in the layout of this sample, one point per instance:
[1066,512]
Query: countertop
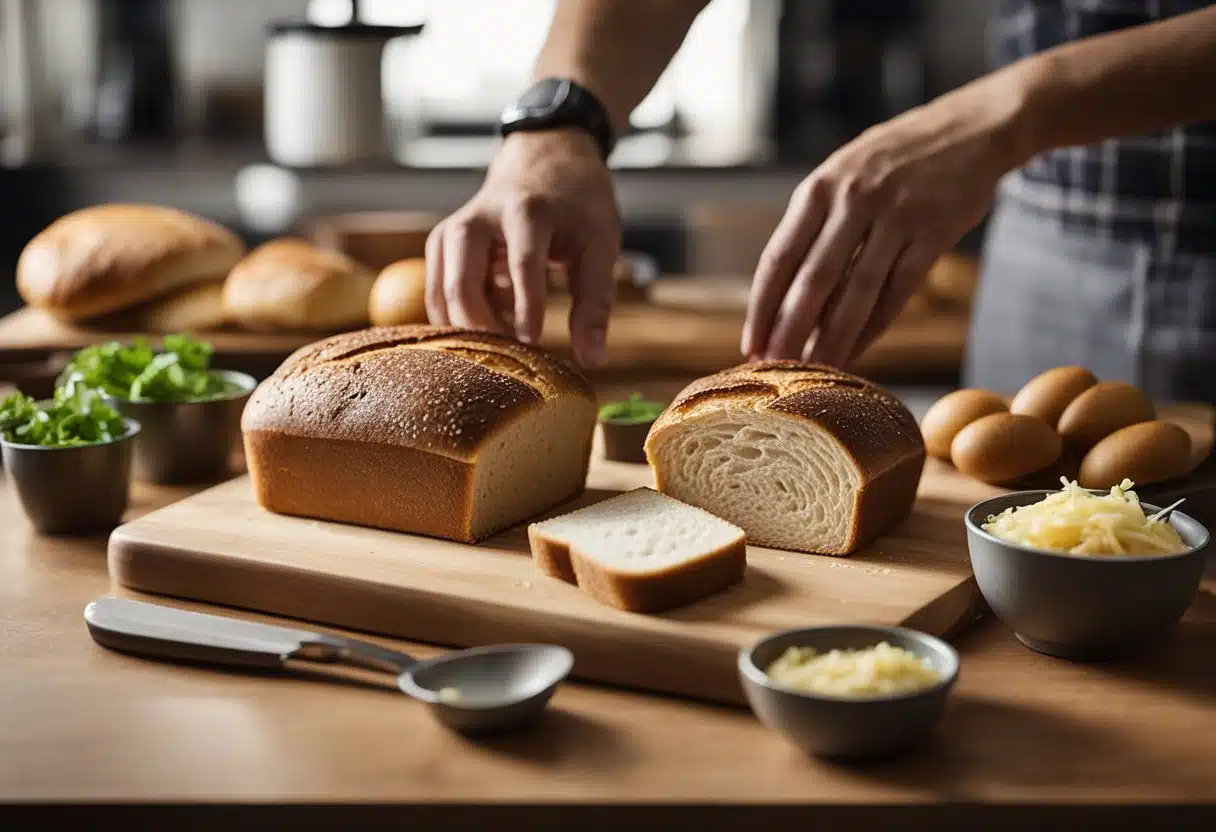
[83,725]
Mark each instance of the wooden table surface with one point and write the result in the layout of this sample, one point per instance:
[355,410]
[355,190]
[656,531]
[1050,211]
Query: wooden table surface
[79,723]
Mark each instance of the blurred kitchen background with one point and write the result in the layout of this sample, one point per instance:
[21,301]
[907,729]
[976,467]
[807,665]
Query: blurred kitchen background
[218,107]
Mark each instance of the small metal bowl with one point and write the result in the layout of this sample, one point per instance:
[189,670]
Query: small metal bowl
[1080,606]
[188,442]
[625,441]
[848,728]
[78,489]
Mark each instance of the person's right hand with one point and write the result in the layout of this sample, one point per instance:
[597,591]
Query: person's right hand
[548,196]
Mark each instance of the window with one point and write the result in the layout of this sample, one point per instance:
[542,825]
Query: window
[475,56]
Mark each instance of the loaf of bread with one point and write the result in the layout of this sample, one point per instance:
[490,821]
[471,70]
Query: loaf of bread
[109,258]
[800,456]
[430,430]
[292,285]
[641,551]
[399,294]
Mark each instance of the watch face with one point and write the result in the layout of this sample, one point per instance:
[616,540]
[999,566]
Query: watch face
[543,98]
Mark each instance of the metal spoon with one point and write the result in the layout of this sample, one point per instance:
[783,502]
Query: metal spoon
[472,691]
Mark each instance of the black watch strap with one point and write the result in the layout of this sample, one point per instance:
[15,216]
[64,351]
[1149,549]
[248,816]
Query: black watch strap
[560,102]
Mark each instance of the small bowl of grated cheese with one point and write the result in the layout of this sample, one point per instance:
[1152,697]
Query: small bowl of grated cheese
[849,691]
[1085,574]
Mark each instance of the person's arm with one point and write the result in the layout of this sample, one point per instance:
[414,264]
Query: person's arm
[548,194]
[1126,83]
[615,48]
[864,228]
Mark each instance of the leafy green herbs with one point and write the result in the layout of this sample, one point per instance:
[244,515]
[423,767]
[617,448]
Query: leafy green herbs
[180,371]
[634,411]
[76,416]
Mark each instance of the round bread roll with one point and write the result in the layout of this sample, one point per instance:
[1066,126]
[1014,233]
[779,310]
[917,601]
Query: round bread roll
[1002,447]
[952,413]
[1048,394]
[1101,410]
[1146,453]
[953,278]
[399,294]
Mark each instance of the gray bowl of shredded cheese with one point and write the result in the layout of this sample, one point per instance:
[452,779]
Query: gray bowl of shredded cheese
[849,692]
[1082,574]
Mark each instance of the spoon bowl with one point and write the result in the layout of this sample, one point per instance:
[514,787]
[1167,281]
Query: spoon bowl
[493,688]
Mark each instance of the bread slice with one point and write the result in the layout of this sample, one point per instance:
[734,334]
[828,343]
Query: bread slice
[800,456]
[641,551]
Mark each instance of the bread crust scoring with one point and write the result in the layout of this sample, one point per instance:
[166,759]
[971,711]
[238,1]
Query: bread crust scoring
[442,390]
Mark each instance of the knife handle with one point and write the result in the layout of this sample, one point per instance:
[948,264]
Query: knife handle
[147,639]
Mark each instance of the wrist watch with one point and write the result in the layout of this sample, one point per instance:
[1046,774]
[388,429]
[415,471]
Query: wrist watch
[560,102]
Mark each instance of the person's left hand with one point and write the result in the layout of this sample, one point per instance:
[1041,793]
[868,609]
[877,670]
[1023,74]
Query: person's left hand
[863,230]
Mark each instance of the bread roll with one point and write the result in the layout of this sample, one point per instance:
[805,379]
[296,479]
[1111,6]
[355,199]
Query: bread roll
[431,430]
[289,284]
[194,309]
[1048,394]
[1101,410]
[799,456]
[399,294]
[1145,453]
[953,279]
[108,258]
[953,412]
[1002,447]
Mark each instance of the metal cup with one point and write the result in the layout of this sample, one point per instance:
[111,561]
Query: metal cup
[78,489]
[188,442]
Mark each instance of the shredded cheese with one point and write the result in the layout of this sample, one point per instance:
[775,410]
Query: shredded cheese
[1078,522]
[882,670]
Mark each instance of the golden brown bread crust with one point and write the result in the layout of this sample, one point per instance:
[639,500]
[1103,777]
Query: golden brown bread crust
[871,424]
[442,390]
[877,431]
[290,284]
[349,424]
[329,479]
[106,258]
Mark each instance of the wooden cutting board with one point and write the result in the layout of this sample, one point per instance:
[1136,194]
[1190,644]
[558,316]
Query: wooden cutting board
[220,547]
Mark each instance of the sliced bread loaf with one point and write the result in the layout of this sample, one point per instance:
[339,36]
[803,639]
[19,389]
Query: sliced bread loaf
[800,456]
[641,551]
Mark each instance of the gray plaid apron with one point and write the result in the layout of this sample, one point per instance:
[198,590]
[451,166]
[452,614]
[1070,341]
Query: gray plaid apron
[1127,309]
